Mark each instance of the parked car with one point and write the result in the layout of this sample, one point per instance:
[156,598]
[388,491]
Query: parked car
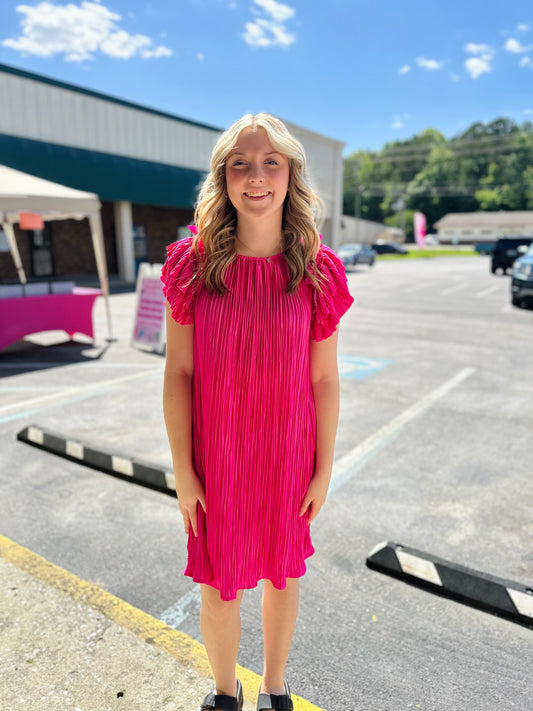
[354,253]
[484,247]
[522,281]
[388,248]
[506,252]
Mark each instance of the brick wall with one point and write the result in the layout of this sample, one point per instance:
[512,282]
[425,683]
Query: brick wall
[72,245]
[161,225]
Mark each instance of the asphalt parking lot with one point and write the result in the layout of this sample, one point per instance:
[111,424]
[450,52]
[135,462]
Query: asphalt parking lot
[434,451]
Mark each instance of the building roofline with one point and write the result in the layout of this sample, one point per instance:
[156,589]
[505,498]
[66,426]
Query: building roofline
[111,177]
[98,95]
[485,217]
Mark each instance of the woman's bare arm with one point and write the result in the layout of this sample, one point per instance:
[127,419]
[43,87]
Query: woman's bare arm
[325,384]
[177,409]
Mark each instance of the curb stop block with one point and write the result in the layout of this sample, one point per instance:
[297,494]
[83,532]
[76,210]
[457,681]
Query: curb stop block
[504,598]
[125,467]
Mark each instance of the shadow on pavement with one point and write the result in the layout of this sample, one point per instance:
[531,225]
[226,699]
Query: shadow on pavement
[25,356]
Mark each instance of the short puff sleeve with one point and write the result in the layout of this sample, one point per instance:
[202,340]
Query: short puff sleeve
[334,299]
[178,277]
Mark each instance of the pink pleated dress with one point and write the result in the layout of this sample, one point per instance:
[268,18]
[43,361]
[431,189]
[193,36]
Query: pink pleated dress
[254,425]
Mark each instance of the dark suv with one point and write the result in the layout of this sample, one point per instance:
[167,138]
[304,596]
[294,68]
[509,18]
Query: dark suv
[506,251]
[522,282]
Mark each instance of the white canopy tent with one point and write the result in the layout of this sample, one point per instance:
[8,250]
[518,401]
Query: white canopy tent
[20,192]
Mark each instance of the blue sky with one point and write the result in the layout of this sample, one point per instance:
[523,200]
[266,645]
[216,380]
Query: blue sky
[361,71]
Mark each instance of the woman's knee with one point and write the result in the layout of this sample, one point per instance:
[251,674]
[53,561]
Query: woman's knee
[216,608]
[290,590]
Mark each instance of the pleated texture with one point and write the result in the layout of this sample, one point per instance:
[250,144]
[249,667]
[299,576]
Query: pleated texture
[254,426]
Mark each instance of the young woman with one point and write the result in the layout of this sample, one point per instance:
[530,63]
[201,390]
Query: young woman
[251,392]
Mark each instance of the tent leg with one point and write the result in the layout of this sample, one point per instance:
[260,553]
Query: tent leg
[97,235]
[13,247]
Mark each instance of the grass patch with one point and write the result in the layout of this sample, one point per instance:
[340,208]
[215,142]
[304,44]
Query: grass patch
[429,253]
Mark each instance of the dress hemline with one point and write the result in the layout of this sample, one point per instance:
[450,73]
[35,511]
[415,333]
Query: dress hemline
[277,584]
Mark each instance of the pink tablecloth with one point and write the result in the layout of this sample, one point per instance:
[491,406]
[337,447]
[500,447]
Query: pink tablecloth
[24,315]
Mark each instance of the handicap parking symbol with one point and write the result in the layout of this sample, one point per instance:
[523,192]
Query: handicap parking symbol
[358,368]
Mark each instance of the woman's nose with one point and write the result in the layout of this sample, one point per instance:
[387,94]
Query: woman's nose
[256,174]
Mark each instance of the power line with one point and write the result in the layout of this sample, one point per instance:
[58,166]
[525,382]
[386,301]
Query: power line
[434,191]
[467,148]
[472,186]
[462,153]
[457,142]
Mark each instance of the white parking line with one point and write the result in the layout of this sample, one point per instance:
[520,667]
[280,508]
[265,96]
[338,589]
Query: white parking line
[451,289]
[416,287]
[486,292]
[29,388]
[31,365]
[72,393]
[175,615]
[353,461]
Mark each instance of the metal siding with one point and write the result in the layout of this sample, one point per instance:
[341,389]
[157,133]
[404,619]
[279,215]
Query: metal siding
[322,166]
[38,111]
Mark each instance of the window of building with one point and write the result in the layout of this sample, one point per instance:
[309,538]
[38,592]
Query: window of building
[41,253]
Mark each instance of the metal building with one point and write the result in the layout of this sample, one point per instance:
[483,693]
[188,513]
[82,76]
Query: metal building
[145,165]
[476,227]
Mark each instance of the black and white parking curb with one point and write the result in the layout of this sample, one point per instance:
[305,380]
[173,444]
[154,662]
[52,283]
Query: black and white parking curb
[486,592]
[125,467]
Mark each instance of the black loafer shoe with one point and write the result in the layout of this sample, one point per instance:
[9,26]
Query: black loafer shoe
[278,702]
[223,702]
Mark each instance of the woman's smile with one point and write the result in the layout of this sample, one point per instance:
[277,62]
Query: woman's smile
[257,195]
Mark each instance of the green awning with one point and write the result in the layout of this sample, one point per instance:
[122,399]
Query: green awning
[111,177]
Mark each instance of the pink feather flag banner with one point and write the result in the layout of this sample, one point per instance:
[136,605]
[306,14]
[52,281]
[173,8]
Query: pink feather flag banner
[419,221]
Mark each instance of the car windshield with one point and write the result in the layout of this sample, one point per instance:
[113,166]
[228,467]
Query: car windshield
[350,247]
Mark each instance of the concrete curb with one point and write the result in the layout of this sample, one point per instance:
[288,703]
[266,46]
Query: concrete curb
[176,644]
[119,465]
[504,598]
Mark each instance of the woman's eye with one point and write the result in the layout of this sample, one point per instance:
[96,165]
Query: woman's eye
[272,162]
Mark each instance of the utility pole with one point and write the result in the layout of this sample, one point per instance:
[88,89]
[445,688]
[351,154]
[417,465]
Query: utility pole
[397,206]
[357,201]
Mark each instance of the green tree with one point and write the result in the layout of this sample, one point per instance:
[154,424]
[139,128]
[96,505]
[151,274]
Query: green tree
[487,167]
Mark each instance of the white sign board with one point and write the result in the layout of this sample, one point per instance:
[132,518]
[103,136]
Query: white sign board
[149,325]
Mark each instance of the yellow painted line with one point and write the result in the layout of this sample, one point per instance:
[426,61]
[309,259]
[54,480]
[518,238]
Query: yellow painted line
[173,642]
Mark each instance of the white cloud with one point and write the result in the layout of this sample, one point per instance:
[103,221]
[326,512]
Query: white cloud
[513,45]
[473,48]
[270,31]
[78,32]
[158,51]
[264,33]
[431,64]
[482,64]
[276,10]
[476,66]
[397,123]
[403,70]
[200,57]
[523,28]
[526,62]
[455,77]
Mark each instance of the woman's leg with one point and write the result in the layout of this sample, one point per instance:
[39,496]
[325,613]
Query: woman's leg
[220,623]
[280,609]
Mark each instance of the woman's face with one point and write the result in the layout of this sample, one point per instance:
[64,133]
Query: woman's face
[257,176]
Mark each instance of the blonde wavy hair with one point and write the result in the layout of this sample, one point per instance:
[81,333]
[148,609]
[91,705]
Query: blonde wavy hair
[216,218]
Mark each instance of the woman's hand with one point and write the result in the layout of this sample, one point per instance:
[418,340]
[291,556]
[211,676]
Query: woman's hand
[190,493]
[315,496]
